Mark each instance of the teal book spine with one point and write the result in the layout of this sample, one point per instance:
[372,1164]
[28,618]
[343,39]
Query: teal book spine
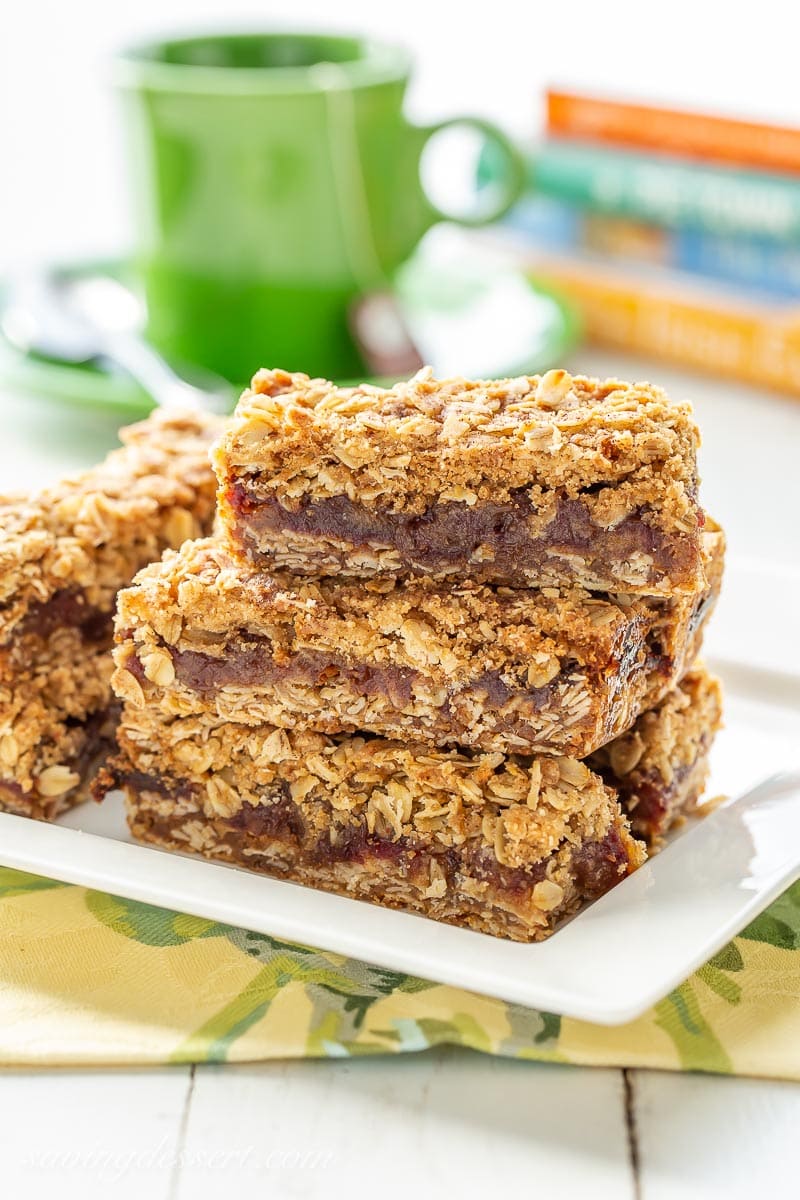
[668,191]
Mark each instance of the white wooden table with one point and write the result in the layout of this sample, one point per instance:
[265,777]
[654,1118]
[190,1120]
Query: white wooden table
[446,1120]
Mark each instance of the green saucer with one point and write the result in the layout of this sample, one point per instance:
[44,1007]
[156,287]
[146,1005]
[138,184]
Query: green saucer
[469,314]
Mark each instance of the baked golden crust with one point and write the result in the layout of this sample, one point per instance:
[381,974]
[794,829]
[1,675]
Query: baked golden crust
[495,668]
[528,481]
[64,554]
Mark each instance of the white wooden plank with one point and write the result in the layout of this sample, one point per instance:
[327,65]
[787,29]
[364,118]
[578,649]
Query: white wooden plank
[87,1135]
[707,1138]
[376,1127]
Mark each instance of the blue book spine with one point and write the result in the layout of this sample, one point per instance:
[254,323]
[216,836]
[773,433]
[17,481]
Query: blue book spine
[750,263]
[548,223]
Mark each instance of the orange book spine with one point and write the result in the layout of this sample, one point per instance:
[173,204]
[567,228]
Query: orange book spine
[693,135]
[752,344]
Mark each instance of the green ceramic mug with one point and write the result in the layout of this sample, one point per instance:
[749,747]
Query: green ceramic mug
[276,179]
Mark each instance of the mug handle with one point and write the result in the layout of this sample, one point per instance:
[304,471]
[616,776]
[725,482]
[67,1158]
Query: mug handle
[511,171]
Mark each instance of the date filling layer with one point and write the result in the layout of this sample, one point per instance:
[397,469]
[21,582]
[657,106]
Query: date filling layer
[492,538]
[514,706]
[595,866]
[66,609]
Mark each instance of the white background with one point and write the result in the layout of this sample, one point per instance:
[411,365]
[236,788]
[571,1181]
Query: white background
[62,191]
[445,1120]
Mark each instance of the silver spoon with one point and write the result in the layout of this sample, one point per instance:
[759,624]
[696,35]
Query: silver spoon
[88,318]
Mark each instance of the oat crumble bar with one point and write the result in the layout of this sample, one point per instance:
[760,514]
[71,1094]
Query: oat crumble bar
[660,767]
[64,554]
[503,845]
[534,481]
[496,668]
[498,842]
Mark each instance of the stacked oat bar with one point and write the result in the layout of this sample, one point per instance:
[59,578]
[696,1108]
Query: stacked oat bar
[64,554]
[440,653]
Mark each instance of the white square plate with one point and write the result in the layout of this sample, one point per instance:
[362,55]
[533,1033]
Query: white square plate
[619,955]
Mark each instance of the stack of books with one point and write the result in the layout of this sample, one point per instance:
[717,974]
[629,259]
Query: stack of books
[675,233]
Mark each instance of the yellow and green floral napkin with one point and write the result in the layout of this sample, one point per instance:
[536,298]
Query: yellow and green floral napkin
[87,978]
